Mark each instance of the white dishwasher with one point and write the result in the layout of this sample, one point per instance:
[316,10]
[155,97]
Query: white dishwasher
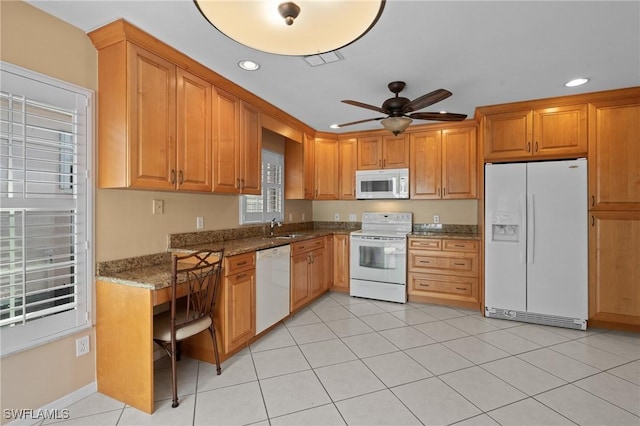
[272,286]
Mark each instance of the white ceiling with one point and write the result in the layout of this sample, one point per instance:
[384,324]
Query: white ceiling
[484,52]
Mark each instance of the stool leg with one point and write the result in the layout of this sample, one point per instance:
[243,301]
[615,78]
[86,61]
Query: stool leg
[215,348]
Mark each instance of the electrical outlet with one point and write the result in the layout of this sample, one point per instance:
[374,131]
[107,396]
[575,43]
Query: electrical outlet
[303,217]
[158,206]
[353,217]
[199,222]
[290,217]
[336,216]
[82,345]
[436,218]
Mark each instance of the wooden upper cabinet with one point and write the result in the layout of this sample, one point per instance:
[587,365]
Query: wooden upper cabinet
[237,145]
[309,167]
[614,155]
[250,158]
[226,142]
[383,152]
[554,132]
[459,162]
[194,132]
[395,152]
[326,165]
[443,164]
[347,160]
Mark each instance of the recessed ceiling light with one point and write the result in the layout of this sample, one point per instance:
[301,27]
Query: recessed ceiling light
[248,65]
[576,82]
[443,112]
[335,126]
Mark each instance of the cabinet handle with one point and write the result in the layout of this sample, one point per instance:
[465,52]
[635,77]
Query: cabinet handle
[241,275]
[425,261]
[379,163]
[173,176]
[444,192]
[593,200]
[593,221]
[316,192]
[438,192]
[458,245]
[424,285]
[459,264]
[528,146]
[460,288]
[384,163]
[180,178]
[238,183]
[241,263]
[242,182]
[536,146]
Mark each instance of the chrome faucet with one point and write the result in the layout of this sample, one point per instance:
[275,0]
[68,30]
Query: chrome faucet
[273,225]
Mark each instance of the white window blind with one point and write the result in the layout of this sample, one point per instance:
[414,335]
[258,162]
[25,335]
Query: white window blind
[45,208]
[270,204]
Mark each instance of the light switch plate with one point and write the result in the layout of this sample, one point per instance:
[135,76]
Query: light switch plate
[199,222]
[158,206]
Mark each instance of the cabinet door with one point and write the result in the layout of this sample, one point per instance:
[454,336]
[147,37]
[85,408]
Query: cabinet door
[370,153]
[459,163]
[395,152]
[241,309]
[341,263]
[425,170]
[226,137]
[614,275]
[560,131]
[193,133]
[614,155]
[317,277]
[152,120]
[299,280]
[347,155]
[508,135]
[326,160]
[309,167]
[250,150]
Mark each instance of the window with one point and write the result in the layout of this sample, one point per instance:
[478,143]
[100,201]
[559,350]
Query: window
[270,204]
[45,208]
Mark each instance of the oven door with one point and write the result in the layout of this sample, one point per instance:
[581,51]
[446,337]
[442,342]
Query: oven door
[381,259]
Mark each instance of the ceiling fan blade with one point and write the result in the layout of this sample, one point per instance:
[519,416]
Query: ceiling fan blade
[359,121]
[426,100]
[367,106]
[438,116]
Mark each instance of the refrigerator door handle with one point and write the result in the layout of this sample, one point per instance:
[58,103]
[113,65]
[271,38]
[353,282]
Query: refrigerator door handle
[531,222]
[523,228]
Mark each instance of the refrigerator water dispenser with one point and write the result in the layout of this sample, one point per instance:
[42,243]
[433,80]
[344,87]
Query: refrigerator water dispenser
[505,227]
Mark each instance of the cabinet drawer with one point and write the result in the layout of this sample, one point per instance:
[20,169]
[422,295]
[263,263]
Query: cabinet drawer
[442,285]
[239,263]
[307,245]
[425,243]
[422,283]
[444,263]
[460,245]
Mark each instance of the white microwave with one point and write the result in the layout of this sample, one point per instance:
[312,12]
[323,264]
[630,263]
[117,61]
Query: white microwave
[382,184]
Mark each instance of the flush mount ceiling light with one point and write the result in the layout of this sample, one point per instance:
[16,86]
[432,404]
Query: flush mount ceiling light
[576,82]
[297,28]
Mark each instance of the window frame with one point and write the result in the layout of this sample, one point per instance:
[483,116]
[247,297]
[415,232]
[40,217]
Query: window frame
[49,328]
[246,218]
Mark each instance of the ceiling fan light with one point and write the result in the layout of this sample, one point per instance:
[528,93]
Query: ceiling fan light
[396,125]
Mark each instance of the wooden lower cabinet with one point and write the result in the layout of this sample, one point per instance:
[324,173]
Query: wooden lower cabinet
[307,271]
[340,263]
[444,271]
[614,273]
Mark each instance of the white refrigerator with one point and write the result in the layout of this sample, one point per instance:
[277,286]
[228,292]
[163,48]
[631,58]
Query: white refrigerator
[536,228]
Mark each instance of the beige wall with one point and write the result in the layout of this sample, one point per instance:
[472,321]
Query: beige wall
[457,212]
[35,40]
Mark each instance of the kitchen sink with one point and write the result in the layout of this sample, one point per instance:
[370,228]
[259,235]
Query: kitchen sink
[287,236]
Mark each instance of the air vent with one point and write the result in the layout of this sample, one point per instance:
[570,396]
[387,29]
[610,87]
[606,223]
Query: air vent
[323,58]
[530,317]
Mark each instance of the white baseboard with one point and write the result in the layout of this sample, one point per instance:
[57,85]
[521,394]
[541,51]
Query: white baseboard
[59,404]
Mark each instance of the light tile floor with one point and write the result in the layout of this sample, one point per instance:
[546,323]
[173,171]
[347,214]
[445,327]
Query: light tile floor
[345,360]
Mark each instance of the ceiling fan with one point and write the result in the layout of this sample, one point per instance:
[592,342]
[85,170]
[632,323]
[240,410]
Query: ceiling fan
[400,110]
